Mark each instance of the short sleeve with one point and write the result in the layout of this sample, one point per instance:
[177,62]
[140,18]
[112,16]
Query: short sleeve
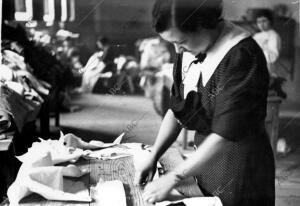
[241,97]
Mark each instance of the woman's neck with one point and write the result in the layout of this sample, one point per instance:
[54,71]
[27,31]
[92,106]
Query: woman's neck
[215,35]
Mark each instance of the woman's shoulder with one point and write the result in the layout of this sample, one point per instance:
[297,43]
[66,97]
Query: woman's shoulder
[246,51]
[247,45]
[243,59]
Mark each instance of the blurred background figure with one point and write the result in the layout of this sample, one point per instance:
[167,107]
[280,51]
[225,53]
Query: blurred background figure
[100,65]
[268,39]
[156,75]
[270,42]
[154,53]
[128,71]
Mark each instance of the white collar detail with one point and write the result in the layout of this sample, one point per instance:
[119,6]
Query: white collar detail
[230,36]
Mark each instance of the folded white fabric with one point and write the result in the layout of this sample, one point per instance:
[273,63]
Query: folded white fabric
[109,193]
[38,174]
[109,153]
[195,201]
[71,140]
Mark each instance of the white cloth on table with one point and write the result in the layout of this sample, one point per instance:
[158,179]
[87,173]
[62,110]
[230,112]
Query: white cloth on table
[38,174]
[109,193]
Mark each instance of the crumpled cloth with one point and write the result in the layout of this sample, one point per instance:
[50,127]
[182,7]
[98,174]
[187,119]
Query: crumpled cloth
[38,174]
[71,140]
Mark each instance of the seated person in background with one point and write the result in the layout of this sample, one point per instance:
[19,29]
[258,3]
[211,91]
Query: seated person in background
[66,50]
[100,64]
[267,38]
[154,53]
[155,57]
[127,75]
[75,62]
[270,42]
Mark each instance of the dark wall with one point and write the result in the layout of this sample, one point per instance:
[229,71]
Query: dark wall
[123,21]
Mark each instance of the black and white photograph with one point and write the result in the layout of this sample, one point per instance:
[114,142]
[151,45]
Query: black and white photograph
[150,103]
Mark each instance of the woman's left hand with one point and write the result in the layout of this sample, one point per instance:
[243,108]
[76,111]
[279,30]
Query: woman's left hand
[159,189]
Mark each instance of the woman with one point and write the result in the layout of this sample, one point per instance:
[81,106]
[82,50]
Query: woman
[268,39]
[154,53]
[100,64]
[270,42]
[221,95]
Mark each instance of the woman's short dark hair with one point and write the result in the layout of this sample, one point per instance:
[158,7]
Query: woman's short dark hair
[265,13]
[186,15]
[103,40]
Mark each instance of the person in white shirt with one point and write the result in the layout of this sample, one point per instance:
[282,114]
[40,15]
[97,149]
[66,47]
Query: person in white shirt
[100,65]
[154,53]
[268,39]
[270,42]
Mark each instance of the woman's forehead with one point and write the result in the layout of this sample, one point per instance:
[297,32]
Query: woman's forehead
[262,19]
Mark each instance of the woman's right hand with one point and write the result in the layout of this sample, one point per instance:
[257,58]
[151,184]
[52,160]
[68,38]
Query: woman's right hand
[145,170]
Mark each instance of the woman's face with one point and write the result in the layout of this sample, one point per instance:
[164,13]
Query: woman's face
[263,23]
[191,42]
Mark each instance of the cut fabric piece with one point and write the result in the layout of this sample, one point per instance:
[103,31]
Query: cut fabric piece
[39,175]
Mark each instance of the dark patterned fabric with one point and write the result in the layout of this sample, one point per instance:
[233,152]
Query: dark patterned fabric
[233,105]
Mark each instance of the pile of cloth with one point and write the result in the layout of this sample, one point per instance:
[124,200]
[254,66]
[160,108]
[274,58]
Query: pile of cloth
[28,72]
[20,95]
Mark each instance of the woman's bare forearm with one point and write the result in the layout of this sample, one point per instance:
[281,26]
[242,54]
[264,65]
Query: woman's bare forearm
[168,133]
[212,146]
